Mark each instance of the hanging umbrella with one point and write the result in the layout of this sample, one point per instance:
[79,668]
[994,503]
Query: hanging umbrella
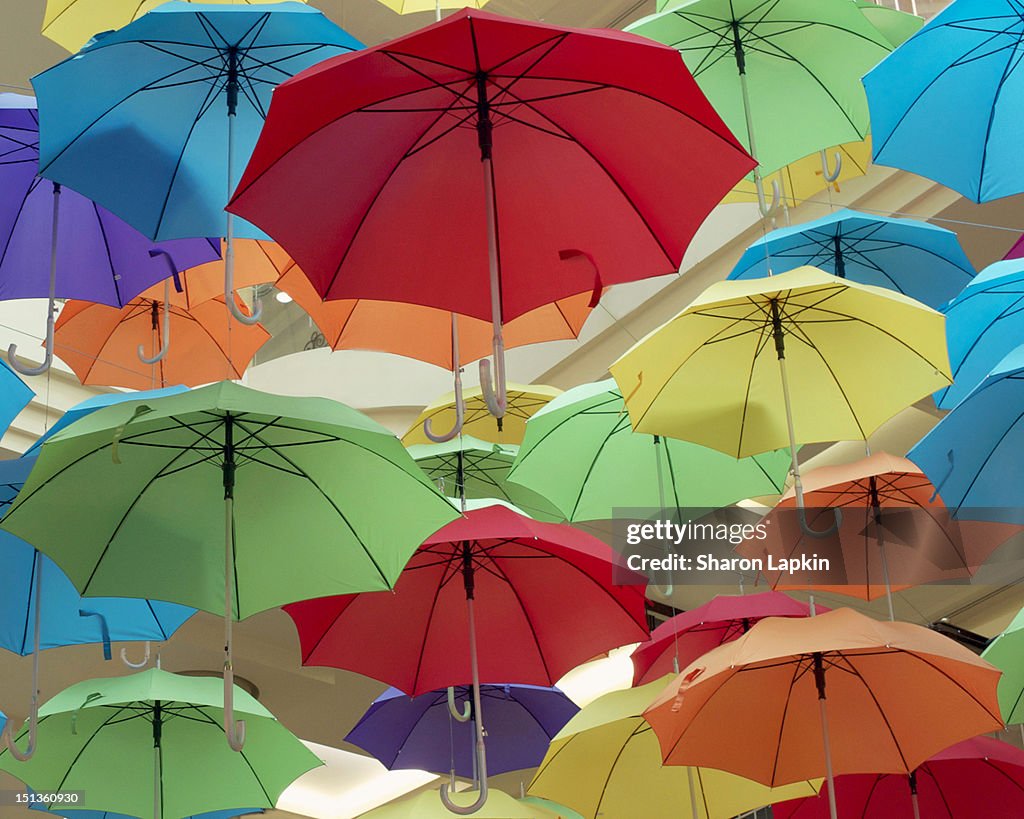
[605,762]
[425,806]
[146,487]
[176,99]
[914,258]
[784,75]
[151,745]
[1005,653]
[801,357]
[524,400]
[896,26]
[894,530]
[805,178]
[56,243]
[835,694]
[980,778]
[983,325]
[1017,251]
[190,345]
[72,23]
[474,469]
[972,454]
[520,572]
[420,733]
[681,640]
[494,128]
[581,454]
[956,77]
[102,814]
[414,6]
[15,395]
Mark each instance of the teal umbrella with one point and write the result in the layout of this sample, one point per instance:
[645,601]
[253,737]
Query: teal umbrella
[581,453]
[311,498]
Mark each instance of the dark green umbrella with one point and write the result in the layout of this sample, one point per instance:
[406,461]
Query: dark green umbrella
[312,497]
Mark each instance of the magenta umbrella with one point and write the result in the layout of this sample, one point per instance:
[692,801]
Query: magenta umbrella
[679,641]
[980,778]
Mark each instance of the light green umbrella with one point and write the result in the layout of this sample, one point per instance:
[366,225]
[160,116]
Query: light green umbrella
[1006,653]
[896,26]
[784,75]
[581,453]
[151,745]
[229,500]
[474,469]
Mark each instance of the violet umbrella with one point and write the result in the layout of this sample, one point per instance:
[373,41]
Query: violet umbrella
[56,243]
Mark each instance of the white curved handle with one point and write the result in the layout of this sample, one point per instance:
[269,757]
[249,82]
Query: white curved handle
[12,351]
[24,756]
[495,396]
[234,731]
[767,209]
[466,810]
[229,281]
[165,342]
[130,664]
[460,416]
[467,709]
[830,175]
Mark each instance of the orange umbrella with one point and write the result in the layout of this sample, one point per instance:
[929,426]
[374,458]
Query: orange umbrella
[102,344]
[797,698]
[257,261]
[894,529]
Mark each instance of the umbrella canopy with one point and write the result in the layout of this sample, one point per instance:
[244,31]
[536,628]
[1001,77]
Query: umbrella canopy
[896,26]
[1005,653]
[419,733]
[680,641]
[425,805]
[580,452]
[983,325]
[145,745]
[102,814]
[107,346]
[414,6]
[957,74]
[416,129]
[469,468]
[804,179]
[98,256]
[605,762]
[425,333]
[125,474]
[523,573]
[895,530]
[915,258]
[793,66]
[15,395]
[855,355]
[165,99]
[971,455]
[524,400]
[72,23]
[980,778]
[887,696]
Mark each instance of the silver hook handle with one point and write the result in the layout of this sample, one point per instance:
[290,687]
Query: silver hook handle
[467,709]
[768,209]
[130,664]
[165,343]
[830,175]
[12,351]
[460,404]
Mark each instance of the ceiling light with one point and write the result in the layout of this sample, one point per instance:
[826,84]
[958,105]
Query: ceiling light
[283,297]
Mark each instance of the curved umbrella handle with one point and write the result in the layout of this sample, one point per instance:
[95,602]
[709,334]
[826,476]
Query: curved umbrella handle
[466,810]
[165,343]
[496,396]
[234,731]
[130,664]
[831,176]
[831,530]
[229,286]
[768,210]
[12,351]
[33,726]
[460,404]
[467,709]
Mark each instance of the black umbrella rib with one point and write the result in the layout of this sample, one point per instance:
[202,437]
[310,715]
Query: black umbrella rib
[110,260]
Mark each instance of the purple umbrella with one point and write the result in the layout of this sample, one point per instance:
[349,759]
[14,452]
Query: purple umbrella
[56,243]
[421,733]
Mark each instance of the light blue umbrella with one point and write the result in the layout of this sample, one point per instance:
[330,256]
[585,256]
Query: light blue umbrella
[156,120]
[983,324]
[14,396]
[920,260]
[947,103]
[973,455]
[102,814]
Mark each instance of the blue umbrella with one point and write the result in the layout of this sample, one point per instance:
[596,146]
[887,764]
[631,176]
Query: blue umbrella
[920,260]
[983,324]
[420,733]
[156,120]
[973,455]
[946,104]
[102,814]
[14,396]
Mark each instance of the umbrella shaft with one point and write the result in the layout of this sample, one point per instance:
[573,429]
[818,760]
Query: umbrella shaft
[692,780]
[478,714]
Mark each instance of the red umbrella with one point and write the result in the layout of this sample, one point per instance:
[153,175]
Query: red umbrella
[678,642]
[539,599]
[980,778]
[556,159]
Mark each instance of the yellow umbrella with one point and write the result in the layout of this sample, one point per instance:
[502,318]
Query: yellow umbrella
[803,357]
[805,178]
[606,762]
[523,402]
[427,805]
[413,6]
[72,23]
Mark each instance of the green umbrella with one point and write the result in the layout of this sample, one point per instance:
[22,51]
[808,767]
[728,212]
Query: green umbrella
[312,497]
[1006,653]
[783,74]
[581,453]
[474,469]
[896,26]
[151,744]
